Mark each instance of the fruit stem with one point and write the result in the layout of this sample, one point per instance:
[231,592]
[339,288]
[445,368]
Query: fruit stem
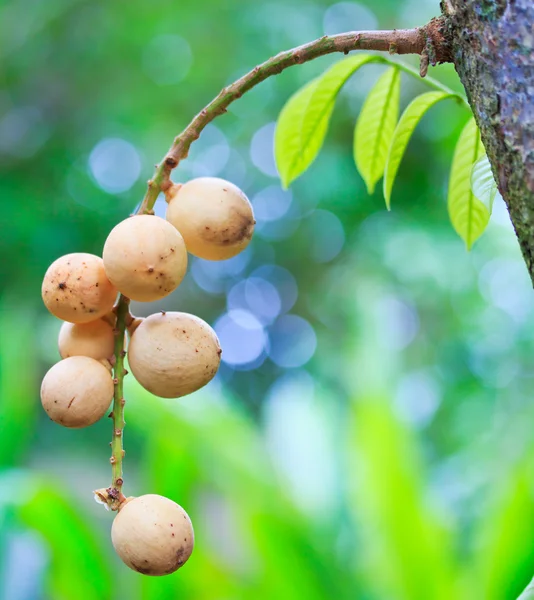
[115,495]
[403,41]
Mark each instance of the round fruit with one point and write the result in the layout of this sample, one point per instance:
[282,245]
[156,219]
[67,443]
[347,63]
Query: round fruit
[153,535]
[76,392]
[214,217]
[173,354]
[145,257]
[94,339]
[76,289]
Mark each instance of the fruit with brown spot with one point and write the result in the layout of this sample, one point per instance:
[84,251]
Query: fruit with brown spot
[152,535]
[95,340]
[76,392]
[76,289]
[173,354]
[145,258]
[214,217]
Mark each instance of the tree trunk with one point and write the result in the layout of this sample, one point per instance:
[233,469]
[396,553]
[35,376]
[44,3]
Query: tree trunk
[493,51]
[492,43]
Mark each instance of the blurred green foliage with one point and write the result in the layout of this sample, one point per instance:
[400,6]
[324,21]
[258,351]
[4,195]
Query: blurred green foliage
[397,462]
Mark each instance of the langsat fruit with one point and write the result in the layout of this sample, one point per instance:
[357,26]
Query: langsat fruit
[145,257]
[76,392]
[214,217]
[173,354]
[152,535]
[76,289]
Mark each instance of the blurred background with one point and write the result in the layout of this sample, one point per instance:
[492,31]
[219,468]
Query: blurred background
[369,432]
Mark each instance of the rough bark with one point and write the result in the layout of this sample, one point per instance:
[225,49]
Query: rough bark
[493,51]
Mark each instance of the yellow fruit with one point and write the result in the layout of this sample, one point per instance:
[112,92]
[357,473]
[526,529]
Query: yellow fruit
[173,354]
[214,217]
[145,258]
[95,339]
[76,289]
[76,392]
[152,535]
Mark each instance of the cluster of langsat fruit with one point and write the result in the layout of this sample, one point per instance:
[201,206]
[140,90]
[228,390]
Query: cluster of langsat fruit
[170,354]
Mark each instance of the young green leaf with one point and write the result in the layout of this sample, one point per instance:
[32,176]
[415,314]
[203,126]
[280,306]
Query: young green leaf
[401,136]
[469,216]
[303,121]
[375,127]
[483,184]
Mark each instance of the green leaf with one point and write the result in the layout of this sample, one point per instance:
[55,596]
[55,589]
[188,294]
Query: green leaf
[375,127]
[483,184]
[504,535]
[405,127]
[220,457]
[408,549]
[469,216]
[80,553]
[528,594]
[303,122]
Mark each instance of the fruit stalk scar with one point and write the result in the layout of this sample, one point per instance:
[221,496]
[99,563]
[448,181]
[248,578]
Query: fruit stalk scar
[115,491]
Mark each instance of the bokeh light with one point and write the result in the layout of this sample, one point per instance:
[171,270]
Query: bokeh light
[258,296]
[325,235]
[417,398]
[506,284]
[261,150]
[242,336]
[297,435]
[398,322]
[271,203]
[115,164]
[215,277]
[292,341]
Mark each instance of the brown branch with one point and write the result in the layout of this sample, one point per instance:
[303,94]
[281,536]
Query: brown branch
[427,40]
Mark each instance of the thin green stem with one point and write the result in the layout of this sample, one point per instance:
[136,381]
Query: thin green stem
[113,495]
[398,41]
[117,452]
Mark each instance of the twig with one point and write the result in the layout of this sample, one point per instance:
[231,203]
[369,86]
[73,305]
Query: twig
[403,41]
[115,496]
